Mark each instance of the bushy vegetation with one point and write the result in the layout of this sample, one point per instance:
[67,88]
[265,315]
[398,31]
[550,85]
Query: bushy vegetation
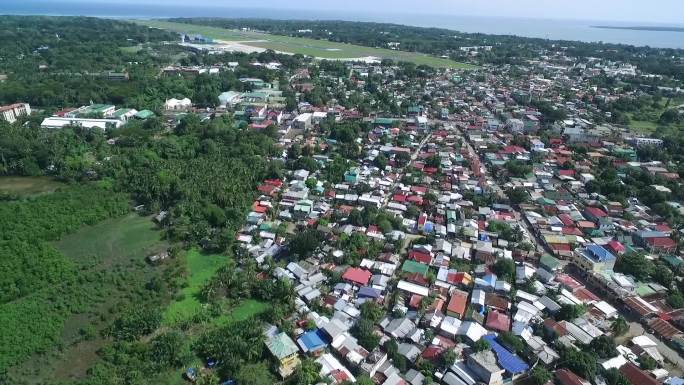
[38,283]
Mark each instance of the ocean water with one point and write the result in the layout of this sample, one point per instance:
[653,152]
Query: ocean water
[541,28]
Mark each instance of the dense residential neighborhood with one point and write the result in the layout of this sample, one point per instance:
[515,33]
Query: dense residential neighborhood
[483,239]
[493,225]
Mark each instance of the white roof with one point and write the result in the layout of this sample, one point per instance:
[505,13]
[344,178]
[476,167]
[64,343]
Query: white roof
[450,325]
[472,330]
[606,308]
[614,363]
[59,122]
[329,364]
[413,288]
[643,341]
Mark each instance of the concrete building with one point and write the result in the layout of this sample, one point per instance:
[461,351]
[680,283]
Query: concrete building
[303,121]
[484,364]
[12,112]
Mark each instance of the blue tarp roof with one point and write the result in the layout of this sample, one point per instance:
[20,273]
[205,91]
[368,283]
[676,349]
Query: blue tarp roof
[311,340]
[428,227]
[507,360]
[600,253]
[369,292]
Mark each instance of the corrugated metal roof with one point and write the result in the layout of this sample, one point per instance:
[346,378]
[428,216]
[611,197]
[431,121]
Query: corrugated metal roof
[507,360]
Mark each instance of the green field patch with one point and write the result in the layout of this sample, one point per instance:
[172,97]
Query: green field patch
[245,310]
[113,241]
[28,185]
[298,45]
[131,49]
[200,269]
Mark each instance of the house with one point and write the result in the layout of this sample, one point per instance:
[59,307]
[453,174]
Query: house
[637,376]
[285,351]
[334,370]
[373,362]
[311,342]
[498,321]
[566,377]
[484,365]
[229,99]
[352,175]
[357,276]
[513,365]
[457,303]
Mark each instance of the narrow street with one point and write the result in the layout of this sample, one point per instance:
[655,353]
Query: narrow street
[523,222]
[414,156]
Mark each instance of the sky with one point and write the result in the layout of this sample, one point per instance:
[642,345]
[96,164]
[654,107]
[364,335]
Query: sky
[653,11]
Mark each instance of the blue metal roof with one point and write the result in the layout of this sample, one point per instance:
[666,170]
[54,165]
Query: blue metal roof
[311,340]
[507,360]
[601,254]
[369,292]
[490,279]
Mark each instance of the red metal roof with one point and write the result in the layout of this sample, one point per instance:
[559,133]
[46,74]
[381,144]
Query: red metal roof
[637,376]
[357,275]
[458,302]
[661,242]
[420,257]
[596,212]
[566,377]
[663,328]
[498,321]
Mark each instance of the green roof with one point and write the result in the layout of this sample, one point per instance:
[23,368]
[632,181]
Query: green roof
[144,114]
[410,266]
[281,346]
[644,290]
[383,121]
[99,107]
[673,261]
[549,261]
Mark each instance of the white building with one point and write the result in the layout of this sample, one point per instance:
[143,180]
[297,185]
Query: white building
[56,122]
[303,121]
[12,112]
[176,104]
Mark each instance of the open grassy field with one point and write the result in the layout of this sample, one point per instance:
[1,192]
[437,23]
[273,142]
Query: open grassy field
[296,45]
[28,185]
[641,126]
[245,310]
[200,268]
[113,242]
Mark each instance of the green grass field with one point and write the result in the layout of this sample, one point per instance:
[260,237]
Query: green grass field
[28,185]
[200,269]
[317,48]
[245,310]
[642,126]
[113,242]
